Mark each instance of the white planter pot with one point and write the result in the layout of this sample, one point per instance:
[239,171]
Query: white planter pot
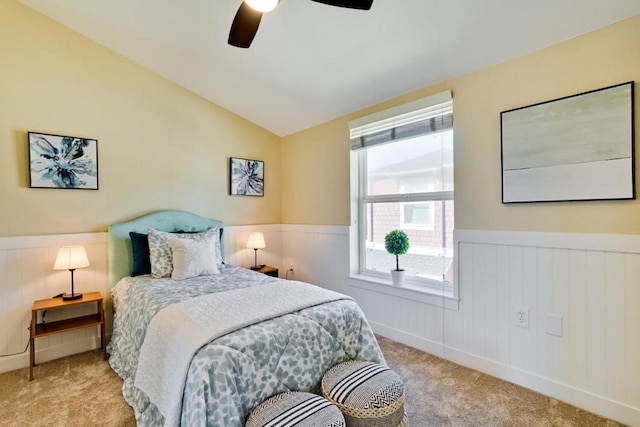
[397,277]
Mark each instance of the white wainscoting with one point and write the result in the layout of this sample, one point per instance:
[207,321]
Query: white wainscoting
[234,242]
[26,274]
[319,254]
[592,281]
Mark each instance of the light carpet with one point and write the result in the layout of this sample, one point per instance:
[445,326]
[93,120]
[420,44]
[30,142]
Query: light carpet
[442,393]
[82,390]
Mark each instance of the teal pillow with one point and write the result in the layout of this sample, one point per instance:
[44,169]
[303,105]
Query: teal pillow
[141,257]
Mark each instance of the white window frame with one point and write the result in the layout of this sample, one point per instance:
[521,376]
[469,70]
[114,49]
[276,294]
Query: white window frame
[434,284]
[379,121]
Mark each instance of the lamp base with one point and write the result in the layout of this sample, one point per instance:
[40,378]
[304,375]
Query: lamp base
[70,297]
[257,267]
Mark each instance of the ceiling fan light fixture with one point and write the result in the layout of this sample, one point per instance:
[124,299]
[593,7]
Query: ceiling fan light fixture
[262,5]
[247,19]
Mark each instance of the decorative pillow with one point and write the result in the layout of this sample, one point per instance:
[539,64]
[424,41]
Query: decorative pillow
[193,257]
[160,252]
[220,261]
[140,249]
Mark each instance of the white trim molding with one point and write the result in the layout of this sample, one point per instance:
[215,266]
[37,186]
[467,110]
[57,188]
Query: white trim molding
[431,296]
[622,243]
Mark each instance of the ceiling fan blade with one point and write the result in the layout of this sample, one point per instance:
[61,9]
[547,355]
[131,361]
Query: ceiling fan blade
[244,26]
[352,4]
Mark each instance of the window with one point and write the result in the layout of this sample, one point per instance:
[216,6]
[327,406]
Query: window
[405,181]
[417,216]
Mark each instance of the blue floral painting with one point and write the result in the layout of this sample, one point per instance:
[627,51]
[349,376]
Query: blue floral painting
[63,162]
[246,177]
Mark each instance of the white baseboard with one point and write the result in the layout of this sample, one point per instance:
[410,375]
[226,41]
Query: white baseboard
[429,346]
[588,401]
[11,363]
[580,398]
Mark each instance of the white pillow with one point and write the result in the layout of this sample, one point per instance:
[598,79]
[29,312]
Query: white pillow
[193,257]
[160,255]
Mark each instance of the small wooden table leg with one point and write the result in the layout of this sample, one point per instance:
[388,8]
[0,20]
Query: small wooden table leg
[103,335]
[32,344]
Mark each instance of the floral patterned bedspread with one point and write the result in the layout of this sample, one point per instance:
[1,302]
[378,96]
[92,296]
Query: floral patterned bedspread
[234,373]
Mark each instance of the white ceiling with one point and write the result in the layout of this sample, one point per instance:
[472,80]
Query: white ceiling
[311,63]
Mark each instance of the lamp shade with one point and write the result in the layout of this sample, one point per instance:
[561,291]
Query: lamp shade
[256,240]
[70,258]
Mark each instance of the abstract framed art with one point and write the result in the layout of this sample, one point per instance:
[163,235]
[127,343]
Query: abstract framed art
[579,147]
[66,162]
[246,177]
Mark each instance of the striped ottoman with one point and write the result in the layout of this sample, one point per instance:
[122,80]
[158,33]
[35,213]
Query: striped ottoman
[368,394]
[299,409]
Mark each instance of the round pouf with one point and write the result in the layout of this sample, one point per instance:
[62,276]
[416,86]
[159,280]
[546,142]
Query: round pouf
[296,409]
[368,394]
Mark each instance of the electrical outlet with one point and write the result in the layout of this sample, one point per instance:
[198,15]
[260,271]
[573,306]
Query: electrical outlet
[522,317]
[289,271]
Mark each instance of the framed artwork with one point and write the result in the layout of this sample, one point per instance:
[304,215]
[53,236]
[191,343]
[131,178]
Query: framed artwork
[579,147]
[67,162]
[246,177]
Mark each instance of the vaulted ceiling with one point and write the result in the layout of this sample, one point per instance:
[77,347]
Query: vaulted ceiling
[310,62]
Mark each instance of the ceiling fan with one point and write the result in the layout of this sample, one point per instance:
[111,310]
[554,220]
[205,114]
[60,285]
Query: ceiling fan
[247,19]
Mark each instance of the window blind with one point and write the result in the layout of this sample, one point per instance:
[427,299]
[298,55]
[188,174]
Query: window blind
[424,116]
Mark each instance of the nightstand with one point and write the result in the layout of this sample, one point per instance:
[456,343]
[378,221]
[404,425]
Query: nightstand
[50,328]
[268,270]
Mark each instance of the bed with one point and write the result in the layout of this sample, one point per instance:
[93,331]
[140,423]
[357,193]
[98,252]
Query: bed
[205,349]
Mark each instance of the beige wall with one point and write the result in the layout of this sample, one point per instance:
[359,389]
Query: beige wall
[598,59]
[160,146]
[315,176]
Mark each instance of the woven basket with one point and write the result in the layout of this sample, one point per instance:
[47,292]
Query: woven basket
[296,408]
[368,394]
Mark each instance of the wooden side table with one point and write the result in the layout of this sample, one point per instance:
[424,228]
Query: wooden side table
[44,329]
[268,270]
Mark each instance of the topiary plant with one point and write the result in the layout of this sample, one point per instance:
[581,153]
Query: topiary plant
[396,242]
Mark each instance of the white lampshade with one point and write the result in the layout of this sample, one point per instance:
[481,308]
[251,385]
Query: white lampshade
[70,258]
[256,240]
[262,5]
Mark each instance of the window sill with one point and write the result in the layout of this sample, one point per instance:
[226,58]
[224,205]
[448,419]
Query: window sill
[408,291]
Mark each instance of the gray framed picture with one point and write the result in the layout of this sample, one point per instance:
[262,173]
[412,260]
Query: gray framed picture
[579,147]
[246,177]
[66,162]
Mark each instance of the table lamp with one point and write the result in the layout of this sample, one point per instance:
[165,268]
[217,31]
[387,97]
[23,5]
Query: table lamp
[256,241]
[70,258]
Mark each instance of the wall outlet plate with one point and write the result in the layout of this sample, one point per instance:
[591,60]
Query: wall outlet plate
[522,317]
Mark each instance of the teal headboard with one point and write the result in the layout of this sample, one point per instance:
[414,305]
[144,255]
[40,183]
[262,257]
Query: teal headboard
[120,255]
